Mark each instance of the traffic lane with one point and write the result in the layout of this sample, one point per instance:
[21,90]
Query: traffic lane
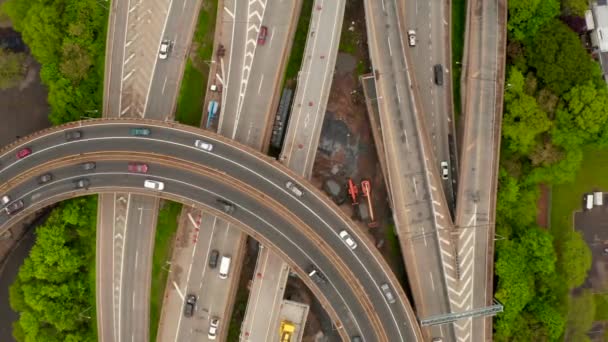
[104,262]
[267,223]
[115,57]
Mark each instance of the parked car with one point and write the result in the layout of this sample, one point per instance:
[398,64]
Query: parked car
[189,305]
[88,166]
[411,37]
[45,178]
[82,183]
[154,185]
[138,167]
[348,240]
[73,135]
[294,189]
[165,47]
[24,152]
[14,207]
[203,145]
[213,258]
[214,324]
[139,131]
[262,35]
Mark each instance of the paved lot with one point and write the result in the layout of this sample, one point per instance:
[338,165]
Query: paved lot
[593,225]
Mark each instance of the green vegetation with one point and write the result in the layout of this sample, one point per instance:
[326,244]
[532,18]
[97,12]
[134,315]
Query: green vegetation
[163,242]
[575,7]
[459,11]
[555,113]
[194,84]
[12,68]
[348,40]
[238,313]
[53,293]
[299,42]
[67,37]
[394,248]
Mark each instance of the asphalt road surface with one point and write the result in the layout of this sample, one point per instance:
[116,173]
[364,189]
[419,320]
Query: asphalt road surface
[484,79]
[266,175]
[419,215]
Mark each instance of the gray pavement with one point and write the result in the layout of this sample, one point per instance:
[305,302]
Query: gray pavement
[234,161]
[419,210]
[484,79]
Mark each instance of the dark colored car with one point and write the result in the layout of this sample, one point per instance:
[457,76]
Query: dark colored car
[138,167]
[45,178]
[88,166]
[82,183]
[356,338]
[438,73]
[227,207]
[316,275]
[139,131]
[73,135]
[14,207]
[24,152]
[262,35]
[189,305]
[213,258]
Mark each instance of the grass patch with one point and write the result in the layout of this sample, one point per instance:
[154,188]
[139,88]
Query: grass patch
[299,42]
[459,8]
[566,198]
[194,83]
[238,313]
[163,241]
[392,243]
[348,41]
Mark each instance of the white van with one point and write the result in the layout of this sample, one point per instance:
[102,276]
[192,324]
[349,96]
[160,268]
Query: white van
[598,198]
[589,201]
[224,267]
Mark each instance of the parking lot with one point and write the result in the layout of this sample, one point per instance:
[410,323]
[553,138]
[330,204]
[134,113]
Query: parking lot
[593,225]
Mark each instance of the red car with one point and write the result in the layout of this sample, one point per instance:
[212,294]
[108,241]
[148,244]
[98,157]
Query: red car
[138,167]
[262,35]
[24,152]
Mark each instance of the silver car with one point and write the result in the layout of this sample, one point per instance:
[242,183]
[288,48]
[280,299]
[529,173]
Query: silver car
[203,145]
[294,189]
[387,293]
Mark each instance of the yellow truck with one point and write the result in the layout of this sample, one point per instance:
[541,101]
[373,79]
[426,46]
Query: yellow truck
[287,330]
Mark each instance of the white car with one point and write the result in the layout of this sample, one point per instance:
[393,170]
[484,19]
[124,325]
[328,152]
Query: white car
[294,189]
[445,169]
[165,46]
[213,326]
[154,185]
[203,145]
[348,240]
[411,37]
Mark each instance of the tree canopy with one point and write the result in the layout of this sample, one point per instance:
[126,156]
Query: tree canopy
[527,16]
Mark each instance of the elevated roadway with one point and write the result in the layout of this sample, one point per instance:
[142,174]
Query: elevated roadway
[233,169]
[483,83]
[421,215]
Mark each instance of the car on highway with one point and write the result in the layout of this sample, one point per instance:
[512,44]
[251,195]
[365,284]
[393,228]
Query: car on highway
[154,185]
[348,240]
[445,169]
[24,152]
[189,305]
[224,267]
[88,166]
[82,183]
[214,324]
[316,275]
[138,167]
[294,189]
[45,178]
[438,74]
[165,47]
[14,207]
[437,339]
[356,338]
[411,37]
[227,206]
[139,131]
[203,145]
[213,257]
[262,35]
[73,135]
[388,294]
[4,200]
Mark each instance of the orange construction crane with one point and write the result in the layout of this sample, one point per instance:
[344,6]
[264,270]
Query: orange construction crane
[366,188]
[353,191]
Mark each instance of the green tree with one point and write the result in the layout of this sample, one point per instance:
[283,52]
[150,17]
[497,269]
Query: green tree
[523,121]
[575,7]
[527,16]
[560,59]
[574,259]
[12,68]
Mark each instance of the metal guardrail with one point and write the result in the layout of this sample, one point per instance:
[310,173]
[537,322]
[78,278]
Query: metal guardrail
[452,317]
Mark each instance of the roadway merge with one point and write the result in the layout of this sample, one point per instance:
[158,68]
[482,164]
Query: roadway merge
[228,160]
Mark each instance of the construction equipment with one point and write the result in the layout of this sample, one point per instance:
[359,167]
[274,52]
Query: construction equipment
[353,191]
[366,189]
[287,330]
